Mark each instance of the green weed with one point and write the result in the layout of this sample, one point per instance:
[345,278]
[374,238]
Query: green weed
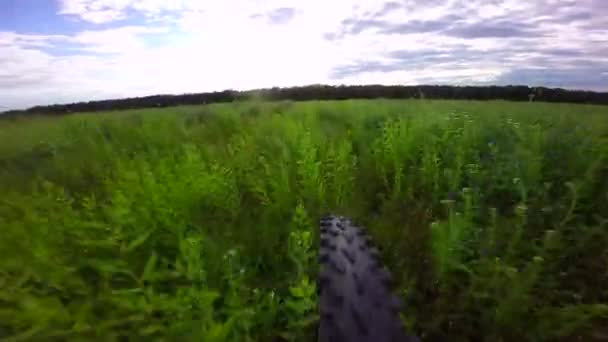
[198,223]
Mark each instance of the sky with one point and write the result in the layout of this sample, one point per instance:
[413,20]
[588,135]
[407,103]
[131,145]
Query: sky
[60,51]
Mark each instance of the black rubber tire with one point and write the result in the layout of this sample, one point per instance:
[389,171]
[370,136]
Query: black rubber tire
[354,299]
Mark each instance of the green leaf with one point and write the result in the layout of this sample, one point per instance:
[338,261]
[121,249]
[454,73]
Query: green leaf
[296,291]
[140,240]
[151,329]
[149,268]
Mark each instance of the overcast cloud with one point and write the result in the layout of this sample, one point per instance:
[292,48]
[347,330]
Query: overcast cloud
[74,50]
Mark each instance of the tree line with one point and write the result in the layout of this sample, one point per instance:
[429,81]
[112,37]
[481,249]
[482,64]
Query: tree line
[328,92]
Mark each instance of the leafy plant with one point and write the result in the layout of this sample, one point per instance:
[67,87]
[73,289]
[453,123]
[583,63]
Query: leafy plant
[197,223]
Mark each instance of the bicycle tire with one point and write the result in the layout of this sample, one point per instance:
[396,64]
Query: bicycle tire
[355,303]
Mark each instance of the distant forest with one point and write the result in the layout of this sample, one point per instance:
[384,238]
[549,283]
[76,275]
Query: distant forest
[327,92]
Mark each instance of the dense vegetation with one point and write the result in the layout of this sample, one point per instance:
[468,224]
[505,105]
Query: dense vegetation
[200,223]
[327,92]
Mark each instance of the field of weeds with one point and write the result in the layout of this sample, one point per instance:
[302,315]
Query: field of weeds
[201,223]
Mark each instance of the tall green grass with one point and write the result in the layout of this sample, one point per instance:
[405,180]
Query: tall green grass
[199,223]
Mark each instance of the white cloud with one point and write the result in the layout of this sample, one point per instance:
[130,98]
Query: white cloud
[126,39]
[31,40]
[94,11]
[101,11]
[29,77]
[193,45]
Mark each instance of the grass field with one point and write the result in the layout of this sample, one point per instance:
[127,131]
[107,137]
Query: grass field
[200,223]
